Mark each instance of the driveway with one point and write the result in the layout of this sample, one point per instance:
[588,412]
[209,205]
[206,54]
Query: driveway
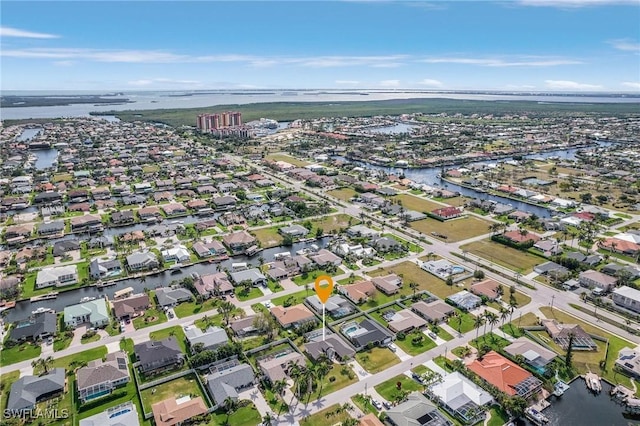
[254,395]
[358,369]
[77,335]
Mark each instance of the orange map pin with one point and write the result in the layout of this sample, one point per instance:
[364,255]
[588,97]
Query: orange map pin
[324,287]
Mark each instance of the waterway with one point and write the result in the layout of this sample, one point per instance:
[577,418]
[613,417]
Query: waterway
[579,406]
[183,99]
[23,309]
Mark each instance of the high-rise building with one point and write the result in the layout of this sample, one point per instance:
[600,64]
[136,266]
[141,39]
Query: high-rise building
[209,122]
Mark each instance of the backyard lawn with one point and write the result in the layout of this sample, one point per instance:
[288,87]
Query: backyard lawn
[389,389]
[508,257]
[499,417]
[343,193]
[455,229]
[289,159]
[421,344]
[6,380]
[377,359]
[526,320]
[243,416]
[21,352]
[186,309]
[329,416]
[467,322]
[410,272]
[175,331]
[185,385]
[268,237]
[418,204]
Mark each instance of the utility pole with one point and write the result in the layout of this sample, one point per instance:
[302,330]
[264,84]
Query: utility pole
[553,296]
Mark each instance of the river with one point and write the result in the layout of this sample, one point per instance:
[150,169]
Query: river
[183,99]
[23,309]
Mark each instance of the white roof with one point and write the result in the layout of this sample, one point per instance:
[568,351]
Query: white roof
[455,385]
[629,292]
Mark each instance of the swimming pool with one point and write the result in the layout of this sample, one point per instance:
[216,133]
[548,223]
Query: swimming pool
[457,270]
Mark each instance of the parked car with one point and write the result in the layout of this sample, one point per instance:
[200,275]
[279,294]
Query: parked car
[392,347]
[433,335]
[376,404]
[170,315]
[386,405]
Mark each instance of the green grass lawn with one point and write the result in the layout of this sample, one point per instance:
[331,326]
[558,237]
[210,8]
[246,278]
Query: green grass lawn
[93,338]
[410,272]
[415,203]
[329,416]
[152,316]
[287,158]
[499,417]
[455,229]
[467,322]
[6,380]
[421,369]
[417,348]
[71,362]
[243,416]
[443,334]
[389,389]
[293,298]
[21,352]
[344,194]
[308,277]
[209,320]
[186,309]
[514,328]
[175,331]
[364,404]
[342,375]
[508,257]
[185,385]
[377,359]
[333,222]
[268,237]
[253,293]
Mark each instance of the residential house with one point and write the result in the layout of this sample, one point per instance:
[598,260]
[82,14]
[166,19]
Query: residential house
[488,288]
[142,261]
[434,312]
[58,276]
[86,222]
[244,327]
[178,411]
[388,284]
[404,321]
[99,268]
[41,324]
[366,333]
[292,316]
[130,307]
[562,333]
[591,260]
[94,312]
[211,339]
[627,297]
[178,253]
[361,231]
[212,248]
[64,247]
[358,292]
[294,231]
[224,203]
[595,279]
[253,275]
[100,378]
[629,361]
[171,296]
[28,391]
[275,368]
[551,269]
[225,383]
[330,345]
[461,398]
[336,306]
[548,247]
[239,242]
[174,209]
[506,375]
[446,213]
[416,410]
[124,217]
[120,415]
[325,258]
[465,300]
[213,285]
[523,236]
[156,356]
[51,228]
[535,355]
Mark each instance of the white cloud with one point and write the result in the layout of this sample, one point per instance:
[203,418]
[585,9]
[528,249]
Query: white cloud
[429,82]
[632,84]
[626,45]
[389,83]
[162,82]
[497,62]
[348,82]
[576,3]
[519,87]
[570,85]
[14,32]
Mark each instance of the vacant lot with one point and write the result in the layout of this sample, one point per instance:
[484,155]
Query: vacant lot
[418,204]
[377,359]
[268,237]
[333,222]
[329,416]
[410,272]
[389,389]
[455,229]
[343,193]
[508,257]
[289,159]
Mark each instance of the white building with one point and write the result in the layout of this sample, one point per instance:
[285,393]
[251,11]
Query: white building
[58,276]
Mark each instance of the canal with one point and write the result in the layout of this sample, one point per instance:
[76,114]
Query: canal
[23,309]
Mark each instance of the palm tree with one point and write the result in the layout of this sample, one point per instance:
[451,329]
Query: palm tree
[457,318]
[267,419]
[226,308]
[504,314]
[414,287]
[44,363]
[279,386]
[322,368]
[477,323]
[493,320]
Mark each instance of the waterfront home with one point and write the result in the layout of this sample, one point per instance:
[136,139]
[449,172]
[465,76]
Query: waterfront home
[94,312]
[253,275]
[211,339]
[130,307]
[277,366]
[156,356]
[178,253]
[178,411]
[507,376]
[461,398]
[465,300]
[171,296]
[47,198]
[488,288]
[41,324]
[225,383]
[336,306]
[434,312]
[415,410]
[534,354]
[388,284]
[64,247]
[173,209]
[150,212]
[361,231]
[86,222]
[293,316]
[141,261]
[100,378]
[51,228]
[596,279]
[99,268]
[561,333]
[629,361]
[358,292]
[238,242]
[57,276]
[18,231]
[225,202]
[208,249]
[125,217]
[29,390]
[120,415]
[294,231]
[325,258]
[627,297]
[366,333]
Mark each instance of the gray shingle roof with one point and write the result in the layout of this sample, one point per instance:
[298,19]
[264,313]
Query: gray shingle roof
[26,391]
[40,324]
[224,384]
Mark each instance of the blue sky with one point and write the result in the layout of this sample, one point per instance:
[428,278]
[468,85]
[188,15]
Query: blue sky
[541,45]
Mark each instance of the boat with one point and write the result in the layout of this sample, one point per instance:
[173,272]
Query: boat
[102,284]
[175,266]
[536,416]
[560,386]
[593,382]
[41,310]
[87,299]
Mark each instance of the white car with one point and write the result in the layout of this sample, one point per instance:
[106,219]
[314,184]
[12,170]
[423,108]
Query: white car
[376,404]
[267,304]
[392,347]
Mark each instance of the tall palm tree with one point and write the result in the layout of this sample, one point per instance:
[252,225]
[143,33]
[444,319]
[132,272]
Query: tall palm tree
[493,320]
[504,314]
[322,368]
[477,323]
[226,308]
[414,287]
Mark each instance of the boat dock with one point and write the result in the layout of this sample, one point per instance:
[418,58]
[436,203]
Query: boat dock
[536,416]
[593,382]
[560,387]
[47,296]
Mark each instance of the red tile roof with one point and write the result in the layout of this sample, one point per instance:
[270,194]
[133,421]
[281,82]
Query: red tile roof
[500,372]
